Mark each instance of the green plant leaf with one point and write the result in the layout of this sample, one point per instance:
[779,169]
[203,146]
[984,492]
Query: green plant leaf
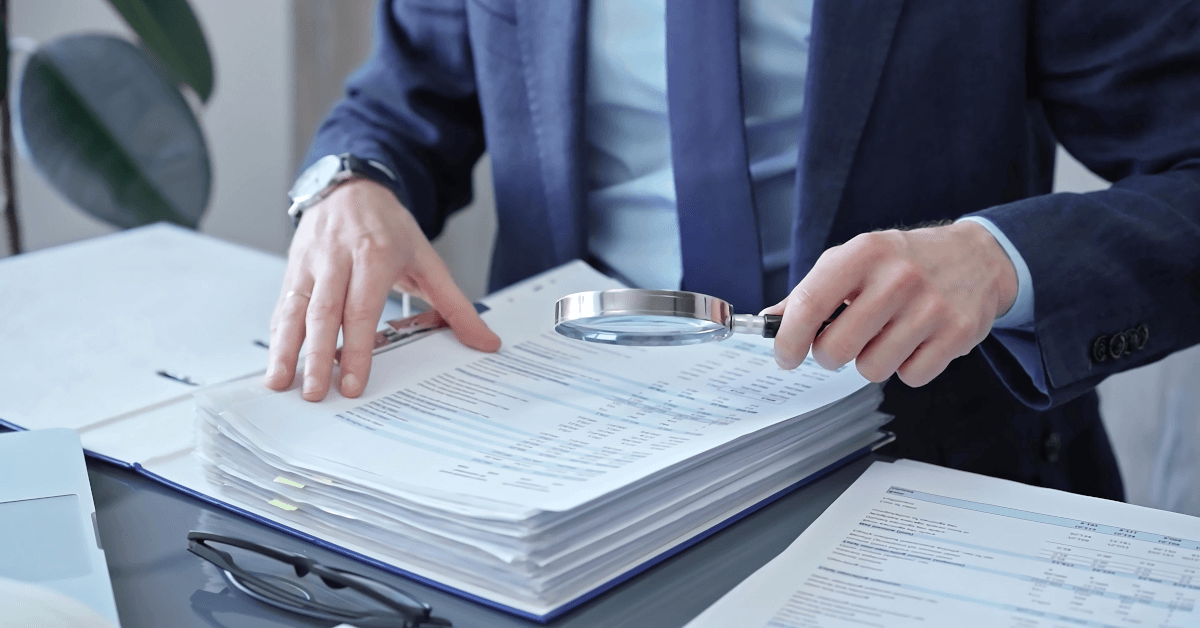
[170,31]
[102,123]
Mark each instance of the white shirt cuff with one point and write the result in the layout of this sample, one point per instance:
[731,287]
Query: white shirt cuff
[1020,315]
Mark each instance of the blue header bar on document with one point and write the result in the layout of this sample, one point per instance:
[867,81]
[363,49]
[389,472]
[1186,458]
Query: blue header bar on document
[1077,524]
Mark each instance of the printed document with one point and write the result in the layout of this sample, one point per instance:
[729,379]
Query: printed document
[913,545]
[547,423]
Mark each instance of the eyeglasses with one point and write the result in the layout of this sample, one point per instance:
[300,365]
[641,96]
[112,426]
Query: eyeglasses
[346,597]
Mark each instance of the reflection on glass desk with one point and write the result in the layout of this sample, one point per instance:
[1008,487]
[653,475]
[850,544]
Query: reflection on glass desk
[158,583]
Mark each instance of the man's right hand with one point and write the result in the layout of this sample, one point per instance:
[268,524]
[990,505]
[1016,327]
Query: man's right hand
[347,253]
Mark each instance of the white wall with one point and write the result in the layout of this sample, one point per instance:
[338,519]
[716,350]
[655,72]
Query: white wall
[247,121]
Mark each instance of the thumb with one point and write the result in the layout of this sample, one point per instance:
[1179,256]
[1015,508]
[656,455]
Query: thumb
[774,309]
[438,287]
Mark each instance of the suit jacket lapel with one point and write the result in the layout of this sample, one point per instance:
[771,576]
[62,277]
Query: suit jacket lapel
[849,47]
[552,40]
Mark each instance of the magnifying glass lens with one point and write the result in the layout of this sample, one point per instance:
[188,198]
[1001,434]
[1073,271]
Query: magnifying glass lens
[643,330]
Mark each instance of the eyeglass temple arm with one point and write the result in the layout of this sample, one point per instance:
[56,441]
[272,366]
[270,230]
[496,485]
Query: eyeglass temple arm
[366,586]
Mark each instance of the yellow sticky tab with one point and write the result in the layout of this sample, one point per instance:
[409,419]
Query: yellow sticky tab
[282,505]
[292,483]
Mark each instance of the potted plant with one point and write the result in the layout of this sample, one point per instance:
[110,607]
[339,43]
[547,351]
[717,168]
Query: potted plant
[104,119]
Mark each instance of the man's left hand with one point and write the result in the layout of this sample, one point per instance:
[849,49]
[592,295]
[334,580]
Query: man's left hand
[915,301]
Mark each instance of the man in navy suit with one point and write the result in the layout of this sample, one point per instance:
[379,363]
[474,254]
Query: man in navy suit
[767,152]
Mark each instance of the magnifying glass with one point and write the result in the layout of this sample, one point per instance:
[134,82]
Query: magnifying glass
[635,317]
[655,318]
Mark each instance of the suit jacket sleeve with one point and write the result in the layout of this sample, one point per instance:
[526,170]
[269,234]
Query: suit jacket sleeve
[1119,83]
[413,107]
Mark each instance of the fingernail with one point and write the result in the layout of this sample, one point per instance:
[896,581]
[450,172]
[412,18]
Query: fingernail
[272,369]
[350,384]
[785,364]
[310,384]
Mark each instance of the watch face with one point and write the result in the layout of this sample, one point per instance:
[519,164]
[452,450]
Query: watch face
[316,177]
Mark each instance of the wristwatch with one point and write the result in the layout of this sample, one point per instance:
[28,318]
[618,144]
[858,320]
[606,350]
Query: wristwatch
[330,171]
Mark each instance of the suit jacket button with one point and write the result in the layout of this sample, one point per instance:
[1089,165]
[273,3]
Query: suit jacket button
[1051,448]
[1131,340]
[1143,335]
[1100,349]
[1116,346]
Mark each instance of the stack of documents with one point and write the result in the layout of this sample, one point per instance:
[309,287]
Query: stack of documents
[532,477]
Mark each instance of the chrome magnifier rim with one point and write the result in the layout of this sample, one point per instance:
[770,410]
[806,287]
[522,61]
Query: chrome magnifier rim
[639,317]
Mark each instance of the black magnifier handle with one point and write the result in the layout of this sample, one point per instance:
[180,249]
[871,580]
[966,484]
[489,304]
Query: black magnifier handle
[771,325]
[771,322]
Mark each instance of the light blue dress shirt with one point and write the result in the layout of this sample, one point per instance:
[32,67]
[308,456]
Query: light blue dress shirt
[632,226]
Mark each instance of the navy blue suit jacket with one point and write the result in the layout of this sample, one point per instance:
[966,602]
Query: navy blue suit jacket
[916,110]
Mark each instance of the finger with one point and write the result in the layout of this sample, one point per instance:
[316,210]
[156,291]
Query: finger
[892,346]
[835,278]
[949,338]
[365,299]
[858,323]
[926,363]
[323,320]
[287,334]
[434,280]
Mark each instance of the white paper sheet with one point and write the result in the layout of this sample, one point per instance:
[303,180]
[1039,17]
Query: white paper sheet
[85,328]
[914,545]
[559,422]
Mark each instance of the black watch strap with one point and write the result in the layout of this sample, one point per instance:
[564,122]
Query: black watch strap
[358,167]
[369,169]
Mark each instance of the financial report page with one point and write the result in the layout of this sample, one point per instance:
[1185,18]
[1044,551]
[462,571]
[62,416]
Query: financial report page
[913,545]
